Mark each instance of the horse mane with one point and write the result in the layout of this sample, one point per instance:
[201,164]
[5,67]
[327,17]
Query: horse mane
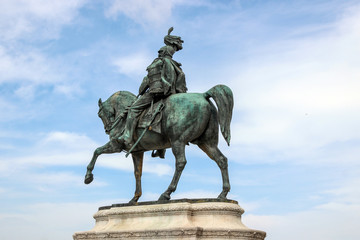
[120,100]
[122,94]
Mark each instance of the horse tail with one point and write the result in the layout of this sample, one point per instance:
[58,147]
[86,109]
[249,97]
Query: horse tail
[224,100]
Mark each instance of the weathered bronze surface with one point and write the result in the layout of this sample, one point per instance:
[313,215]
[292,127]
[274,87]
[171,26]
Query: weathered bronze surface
[184,118]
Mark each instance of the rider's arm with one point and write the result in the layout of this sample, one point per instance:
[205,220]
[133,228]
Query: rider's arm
[168,76]
[144,86]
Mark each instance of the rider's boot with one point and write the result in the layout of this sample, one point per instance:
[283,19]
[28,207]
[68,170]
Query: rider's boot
[128,136]
[133,117]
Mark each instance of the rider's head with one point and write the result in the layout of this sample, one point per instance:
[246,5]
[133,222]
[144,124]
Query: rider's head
[173,41]
[166,51]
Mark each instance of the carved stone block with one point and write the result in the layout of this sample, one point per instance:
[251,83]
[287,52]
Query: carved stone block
[187,219]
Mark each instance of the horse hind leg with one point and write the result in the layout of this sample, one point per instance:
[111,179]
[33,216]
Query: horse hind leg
[215,154]
[178,149]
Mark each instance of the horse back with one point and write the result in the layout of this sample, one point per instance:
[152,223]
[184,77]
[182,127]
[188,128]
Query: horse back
[186,116]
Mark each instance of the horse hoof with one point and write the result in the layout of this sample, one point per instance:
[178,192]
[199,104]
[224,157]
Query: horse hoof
[88,178]
[133,200]
[222,197]
[164,197]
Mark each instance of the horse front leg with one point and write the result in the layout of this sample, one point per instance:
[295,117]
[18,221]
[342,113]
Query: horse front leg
[138,164]
[107,148]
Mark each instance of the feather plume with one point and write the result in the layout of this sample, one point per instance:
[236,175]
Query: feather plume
[170,30]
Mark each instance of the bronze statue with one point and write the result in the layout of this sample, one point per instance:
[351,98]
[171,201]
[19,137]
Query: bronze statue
[165,116]
[165,77]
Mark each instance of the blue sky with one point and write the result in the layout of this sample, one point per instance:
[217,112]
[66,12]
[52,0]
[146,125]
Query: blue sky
[293,67]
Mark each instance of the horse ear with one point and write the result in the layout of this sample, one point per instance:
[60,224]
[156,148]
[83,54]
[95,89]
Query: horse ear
[100,102]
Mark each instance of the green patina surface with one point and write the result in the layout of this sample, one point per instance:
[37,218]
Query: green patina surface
[185,118]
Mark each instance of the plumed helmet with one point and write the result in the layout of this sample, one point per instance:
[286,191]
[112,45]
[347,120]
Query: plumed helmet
[167,51]
[173,41]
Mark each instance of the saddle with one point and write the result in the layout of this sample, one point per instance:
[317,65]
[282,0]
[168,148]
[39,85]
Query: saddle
[151,117]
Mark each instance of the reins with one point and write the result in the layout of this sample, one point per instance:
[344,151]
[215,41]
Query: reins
[116,122]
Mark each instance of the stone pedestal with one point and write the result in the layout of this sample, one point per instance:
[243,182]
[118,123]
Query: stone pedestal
[176,219]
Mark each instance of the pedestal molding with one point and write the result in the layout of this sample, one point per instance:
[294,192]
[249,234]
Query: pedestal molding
[179,220]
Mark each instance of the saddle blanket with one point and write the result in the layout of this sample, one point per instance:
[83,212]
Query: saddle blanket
[147,115]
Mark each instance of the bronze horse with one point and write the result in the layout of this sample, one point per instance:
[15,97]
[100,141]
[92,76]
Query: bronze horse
[187,118]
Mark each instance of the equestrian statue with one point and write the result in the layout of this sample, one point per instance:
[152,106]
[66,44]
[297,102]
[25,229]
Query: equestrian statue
[163,115]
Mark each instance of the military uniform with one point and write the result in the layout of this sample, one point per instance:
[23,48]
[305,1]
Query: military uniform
[165,77]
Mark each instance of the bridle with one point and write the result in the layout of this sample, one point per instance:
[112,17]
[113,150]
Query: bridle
[116,121]
[108,121]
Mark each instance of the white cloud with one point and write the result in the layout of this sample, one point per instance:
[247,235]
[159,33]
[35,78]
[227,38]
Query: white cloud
[69,89]
[337,218]
[302,95]
[30,69]
[149,13]
[72,149]
[62,142]
[149,196]
[134,64]
[157,165]
[115,161]
[348,193]
[119,161]
[57,178]
[142,11]
[199,193]
[62,220]
[332,224]
[54,149]
[26,92]
[36,184]
[9,111]
[29,66]
[30,73]
[20,18]
[27,21]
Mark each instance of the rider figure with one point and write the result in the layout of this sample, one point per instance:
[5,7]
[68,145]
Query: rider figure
[165,77]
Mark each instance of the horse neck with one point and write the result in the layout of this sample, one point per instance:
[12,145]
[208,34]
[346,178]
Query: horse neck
[120,103]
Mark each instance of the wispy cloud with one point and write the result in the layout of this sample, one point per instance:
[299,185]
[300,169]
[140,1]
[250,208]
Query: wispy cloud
[294,71]
[31,217]
[22,18]
[151,13]
[312,224]
[119,161]
[25,28]
[31,67]
[301,95]
[134,64]
[142,11]
[72,149]
[320,220]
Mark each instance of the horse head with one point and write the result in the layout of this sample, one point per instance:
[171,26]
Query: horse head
[114,109]
[106,114]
